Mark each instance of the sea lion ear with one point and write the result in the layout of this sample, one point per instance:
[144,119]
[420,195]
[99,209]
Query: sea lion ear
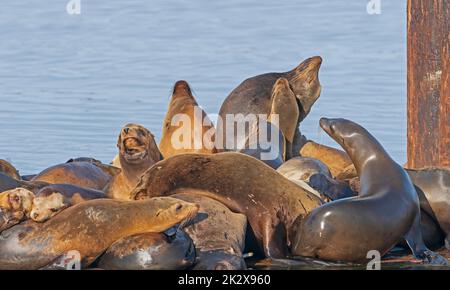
[284,104]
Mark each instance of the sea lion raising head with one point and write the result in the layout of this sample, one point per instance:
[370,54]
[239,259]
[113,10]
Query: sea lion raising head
[137,152]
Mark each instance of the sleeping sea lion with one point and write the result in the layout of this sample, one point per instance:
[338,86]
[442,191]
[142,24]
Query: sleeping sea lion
[83,174]
[15,206]
[253,96]
[150,251]
[89,228]
[301,168]
[196,132]
[336,160]
[273,204]
[386,210]
[137,152]
[217,232]
[52,199]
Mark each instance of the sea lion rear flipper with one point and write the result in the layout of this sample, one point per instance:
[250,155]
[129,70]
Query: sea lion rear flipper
[419,249]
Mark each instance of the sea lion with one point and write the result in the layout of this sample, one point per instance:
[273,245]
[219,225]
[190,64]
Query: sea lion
[83,174]
[386,210]
[270,140]
[150,251]
[254,96]
[7,182]
[90,228]
[108,169]
[195,135]
[137,152]
[15,206]
[336,160]
[217,232]
[301,168]
[273,204]
[8,169]
[330,188]
[52,199]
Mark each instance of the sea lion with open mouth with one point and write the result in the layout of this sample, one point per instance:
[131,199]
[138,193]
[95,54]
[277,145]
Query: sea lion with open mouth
[254,96]
[273,204]
[8,169]
[137,153]
[52,199]
[15,206]
[89,228]
[196,134]
[386,210]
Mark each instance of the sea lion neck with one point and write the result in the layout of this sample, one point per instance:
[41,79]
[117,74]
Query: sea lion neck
[133,171]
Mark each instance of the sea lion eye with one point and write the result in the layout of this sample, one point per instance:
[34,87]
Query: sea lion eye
[53,209]
[16,198]
[179,206]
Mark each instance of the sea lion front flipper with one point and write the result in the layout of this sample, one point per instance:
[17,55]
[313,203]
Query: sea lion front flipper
[274,240]
[419,249]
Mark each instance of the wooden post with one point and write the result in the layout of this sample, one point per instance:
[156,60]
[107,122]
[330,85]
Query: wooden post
[428,83]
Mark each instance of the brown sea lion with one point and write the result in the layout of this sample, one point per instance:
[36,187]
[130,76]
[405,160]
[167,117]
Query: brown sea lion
[52,199]
[336,160]
[273,204]
[386,210]
[137,153]
[150,251]
[8,169]
[108,169]
[217,232]
[83,174]
[90,228]
[196,132]
[301,168]
[15,206]
[254,96]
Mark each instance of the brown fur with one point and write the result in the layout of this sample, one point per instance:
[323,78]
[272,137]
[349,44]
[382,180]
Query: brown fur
[339,163]
[8,169]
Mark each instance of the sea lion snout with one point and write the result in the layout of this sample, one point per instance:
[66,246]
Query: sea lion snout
[181,88]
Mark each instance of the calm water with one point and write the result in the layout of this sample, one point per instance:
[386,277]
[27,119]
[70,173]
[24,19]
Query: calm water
[68,83]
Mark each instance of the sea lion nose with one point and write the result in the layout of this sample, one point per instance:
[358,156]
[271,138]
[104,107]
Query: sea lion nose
[35,215]
[126,129]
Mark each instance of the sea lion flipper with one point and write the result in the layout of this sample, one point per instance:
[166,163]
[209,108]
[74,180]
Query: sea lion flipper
[274,240]
[419,249]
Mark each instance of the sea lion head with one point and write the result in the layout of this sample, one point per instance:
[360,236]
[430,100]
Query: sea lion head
[46,206]
[348,134]
[178,212]
[137,145]
[181,89]
[305,83]
[18,199]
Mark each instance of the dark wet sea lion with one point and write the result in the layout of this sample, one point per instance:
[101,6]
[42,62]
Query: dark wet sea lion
[7,182]
[52,199]
[193,131]
[83,174]
[8,169]
[330,188]
[137,153]
[89,228]
[150,251]
[15,206]
[339,163]
[301,168]
[386,210]
[217,232]
[273,204]
[254,96]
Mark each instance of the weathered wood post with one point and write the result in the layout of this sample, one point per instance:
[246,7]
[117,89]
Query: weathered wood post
[428,83]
